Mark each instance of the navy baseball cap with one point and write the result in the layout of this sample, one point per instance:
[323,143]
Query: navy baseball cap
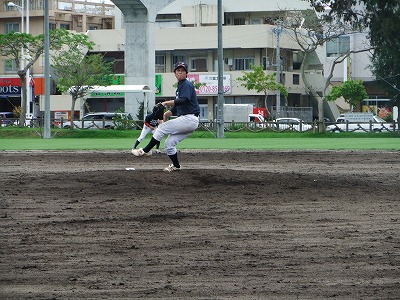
[181,64]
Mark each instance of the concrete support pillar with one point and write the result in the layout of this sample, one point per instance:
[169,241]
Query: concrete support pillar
[140,16]
[84,23]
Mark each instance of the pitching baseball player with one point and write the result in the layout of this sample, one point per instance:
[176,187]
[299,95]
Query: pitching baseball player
[186,107]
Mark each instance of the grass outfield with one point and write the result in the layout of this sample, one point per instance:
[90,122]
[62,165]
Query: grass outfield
[29,139]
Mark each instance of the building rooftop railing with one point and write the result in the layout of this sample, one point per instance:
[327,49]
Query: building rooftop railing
[91,7]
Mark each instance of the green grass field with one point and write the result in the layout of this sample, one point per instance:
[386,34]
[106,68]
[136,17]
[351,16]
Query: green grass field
[30,139]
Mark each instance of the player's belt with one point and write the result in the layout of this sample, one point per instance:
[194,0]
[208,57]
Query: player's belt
[196,115]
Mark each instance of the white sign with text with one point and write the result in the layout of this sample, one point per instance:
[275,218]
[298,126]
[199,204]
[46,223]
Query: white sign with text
[210,82]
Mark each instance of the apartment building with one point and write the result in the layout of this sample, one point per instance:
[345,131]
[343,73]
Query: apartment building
[77,16]
[357,66]
[186,30]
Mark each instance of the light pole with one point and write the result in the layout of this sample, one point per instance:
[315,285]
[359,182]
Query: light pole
[220,100]
[46,127]
[278,31]
[22,62]
[28,80]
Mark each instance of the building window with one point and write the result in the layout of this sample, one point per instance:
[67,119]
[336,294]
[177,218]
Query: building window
[177,58]
[65,6]
[198,64]
[52,26]
[11,27]
[93,27]
[11,66]
[239,21]
[338,46]
[160,63]
[266,63]
[65,26]
[243,63]
[37,5]
[296,79]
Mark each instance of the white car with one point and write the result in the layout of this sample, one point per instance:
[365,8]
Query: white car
[291,124]
[376,125]
[257,120]
[94,121]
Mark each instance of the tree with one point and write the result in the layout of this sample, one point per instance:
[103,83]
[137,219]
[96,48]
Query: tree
[312,31]
[12,43]
[77,73]
[382,19]
[353,92]
[260,81]
[384,29]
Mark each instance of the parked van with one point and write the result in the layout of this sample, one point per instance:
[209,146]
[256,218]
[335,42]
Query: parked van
[355,117]
[7,118]
[102,120]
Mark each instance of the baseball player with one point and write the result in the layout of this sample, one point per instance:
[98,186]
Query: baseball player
[151,122]
[186,107]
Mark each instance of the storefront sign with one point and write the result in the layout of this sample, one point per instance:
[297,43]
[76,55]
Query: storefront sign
[10,87]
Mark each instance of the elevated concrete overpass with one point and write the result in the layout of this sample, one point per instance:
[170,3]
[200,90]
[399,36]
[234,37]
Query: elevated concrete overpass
[140,17]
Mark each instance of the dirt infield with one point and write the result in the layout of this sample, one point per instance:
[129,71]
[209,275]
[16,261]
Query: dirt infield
[230,225]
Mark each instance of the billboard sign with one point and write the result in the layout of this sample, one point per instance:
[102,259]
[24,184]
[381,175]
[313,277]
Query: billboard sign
[210,82]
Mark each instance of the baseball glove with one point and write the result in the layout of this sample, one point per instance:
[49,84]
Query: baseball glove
[158,111]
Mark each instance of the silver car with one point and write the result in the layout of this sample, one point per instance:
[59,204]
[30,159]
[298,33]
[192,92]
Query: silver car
[291,124]
[102,120]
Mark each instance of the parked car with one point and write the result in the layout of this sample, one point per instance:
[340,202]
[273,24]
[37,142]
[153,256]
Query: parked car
[7,118]
[28,121]
[326,120]
[291,124]
[95,121]
[375,125]
[257,121]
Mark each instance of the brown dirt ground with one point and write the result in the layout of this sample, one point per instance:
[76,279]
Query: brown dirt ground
[230,225]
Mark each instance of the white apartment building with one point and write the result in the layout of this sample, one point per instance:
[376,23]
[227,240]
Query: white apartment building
[74,15]
[186,30]
[356,67]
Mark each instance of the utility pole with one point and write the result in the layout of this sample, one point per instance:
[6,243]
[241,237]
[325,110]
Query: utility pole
[46,129]
[278,31]
[28,81]
[22,61]
[220,101]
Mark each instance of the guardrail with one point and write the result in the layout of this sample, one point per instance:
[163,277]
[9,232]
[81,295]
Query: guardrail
[101,124]
[364,127]
[255,127]
[229,126]
[299,127]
